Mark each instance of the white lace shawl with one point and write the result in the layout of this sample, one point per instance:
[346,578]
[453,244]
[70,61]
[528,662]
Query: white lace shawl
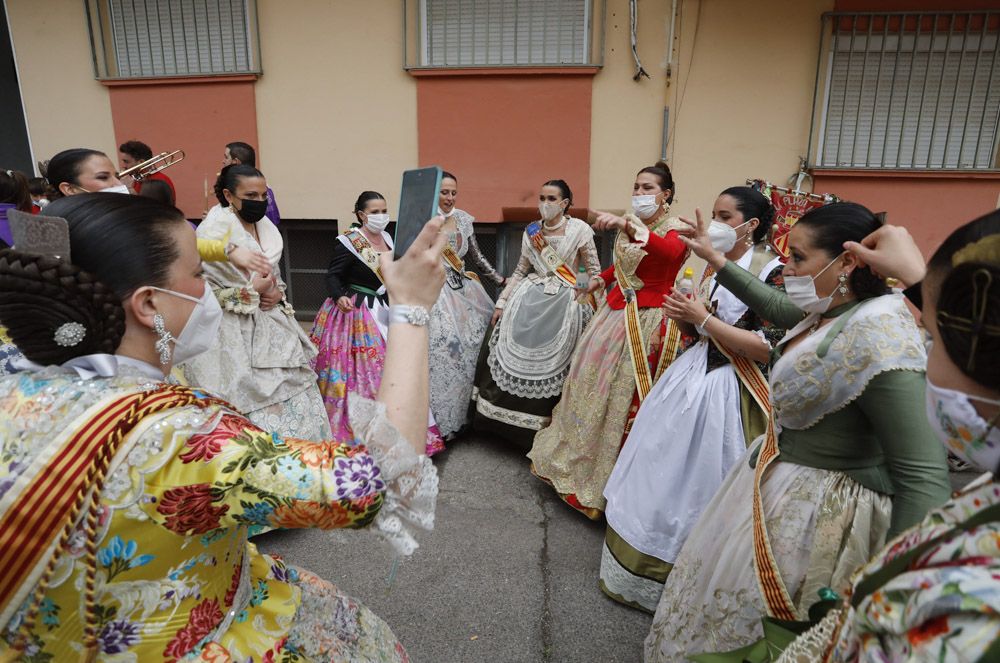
[881,336]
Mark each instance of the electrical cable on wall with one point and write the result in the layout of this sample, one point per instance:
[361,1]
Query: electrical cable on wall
[633,10]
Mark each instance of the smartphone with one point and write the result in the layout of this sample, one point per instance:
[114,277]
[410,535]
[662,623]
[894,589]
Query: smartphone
[418,202]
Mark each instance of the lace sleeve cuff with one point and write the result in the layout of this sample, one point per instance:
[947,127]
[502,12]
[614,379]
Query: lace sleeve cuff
[411,480]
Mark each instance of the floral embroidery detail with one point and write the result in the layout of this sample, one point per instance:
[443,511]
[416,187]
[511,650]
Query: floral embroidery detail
[189,509]
[203,618]
[206,446]
[357,477]
[118,636]
[313,454]
[310,514]
[119,556]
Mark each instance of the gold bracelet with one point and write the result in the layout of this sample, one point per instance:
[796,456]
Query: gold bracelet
[705,321]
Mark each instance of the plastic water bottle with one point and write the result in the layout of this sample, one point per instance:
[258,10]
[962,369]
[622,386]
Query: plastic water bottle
[582,281]
[686,285]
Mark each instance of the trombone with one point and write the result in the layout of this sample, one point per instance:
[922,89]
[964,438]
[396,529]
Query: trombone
[161,161]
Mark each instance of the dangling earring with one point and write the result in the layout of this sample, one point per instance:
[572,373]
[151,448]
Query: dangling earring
[165,337]
[749,239]
[842,288]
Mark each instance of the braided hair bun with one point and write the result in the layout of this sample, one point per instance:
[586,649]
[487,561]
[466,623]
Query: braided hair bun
[965,271]
[118,244]
[38,295]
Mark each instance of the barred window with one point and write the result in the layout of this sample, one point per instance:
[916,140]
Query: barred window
[152,38]
[464,33]
[910,91]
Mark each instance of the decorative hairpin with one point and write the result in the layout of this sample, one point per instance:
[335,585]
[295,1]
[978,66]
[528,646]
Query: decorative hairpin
[40,235]
[69,334]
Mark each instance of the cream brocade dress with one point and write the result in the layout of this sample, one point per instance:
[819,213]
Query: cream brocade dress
[261,362]
[823,524]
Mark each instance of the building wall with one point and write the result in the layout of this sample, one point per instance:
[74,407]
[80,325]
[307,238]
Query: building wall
[504,134]
[741,93]
[197,115]
[65,106]
[336,112]
[627,115]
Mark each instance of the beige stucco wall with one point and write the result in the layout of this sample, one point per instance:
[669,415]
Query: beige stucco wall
[336,113]
[627,117]
[65,106]
[740,96]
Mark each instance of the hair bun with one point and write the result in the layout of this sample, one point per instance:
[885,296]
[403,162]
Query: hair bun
[38,295]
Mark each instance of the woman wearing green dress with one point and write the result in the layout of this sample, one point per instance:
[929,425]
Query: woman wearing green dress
[848,460]
[933,593]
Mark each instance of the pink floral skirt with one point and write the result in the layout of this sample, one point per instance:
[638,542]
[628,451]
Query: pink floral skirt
[350,360]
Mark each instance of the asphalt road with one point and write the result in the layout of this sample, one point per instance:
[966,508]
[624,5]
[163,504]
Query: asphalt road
[509,573]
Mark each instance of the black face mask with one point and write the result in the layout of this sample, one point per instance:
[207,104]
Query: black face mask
[252,210]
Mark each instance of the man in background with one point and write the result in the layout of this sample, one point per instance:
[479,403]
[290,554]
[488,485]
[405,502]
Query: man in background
[244,153]
[133,152]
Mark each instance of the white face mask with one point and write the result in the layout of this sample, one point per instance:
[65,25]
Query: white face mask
[119,188]
[550,210]
[442,212]
[644,206]
[961,429]
[802,291]
[722,236]
[202,327]
[376,222]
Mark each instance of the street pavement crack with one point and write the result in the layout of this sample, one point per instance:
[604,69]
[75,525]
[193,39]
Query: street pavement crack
[543,563]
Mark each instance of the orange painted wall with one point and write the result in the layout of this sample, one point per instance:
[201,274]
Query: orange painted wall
[931,206]
[504,135]
[198,116]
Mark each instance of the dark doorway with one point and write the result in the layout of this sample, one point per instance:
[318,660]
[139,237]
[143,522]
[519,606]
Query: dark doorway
[15,152]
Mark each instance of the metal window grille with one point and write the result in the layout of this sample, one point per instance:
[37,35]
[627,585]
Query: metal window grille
[909,90]
[158,38]
[463,33]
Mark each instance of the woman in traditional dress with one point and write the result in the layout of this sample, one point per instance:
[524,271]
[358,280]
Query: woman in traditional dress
[460,317]
[932,594]
[666,474]
[525,358]
[619,355]
[849,457]
[350,330]
[261,361]
[134,546]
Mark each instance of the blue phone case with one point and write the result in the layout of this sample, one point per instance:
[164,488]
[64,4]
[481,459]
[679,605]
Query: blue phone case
[418,202]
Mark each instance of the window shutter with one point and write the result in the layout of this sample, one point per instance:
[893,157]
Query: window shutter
[181,37]
[463,33]
[925,100]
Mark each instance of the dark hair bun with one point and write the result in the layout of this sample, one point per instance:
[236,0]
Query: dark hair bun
[38,295]
[968,317]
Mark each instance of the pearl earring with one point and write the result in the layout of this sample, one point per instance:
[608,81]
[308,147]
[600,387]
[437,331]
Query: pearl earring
[165,337]
[842,288]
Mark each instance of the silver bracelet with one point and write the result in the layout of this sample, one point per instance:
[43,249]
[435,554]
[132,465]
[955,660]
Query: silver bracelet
[707,318]
[410,315]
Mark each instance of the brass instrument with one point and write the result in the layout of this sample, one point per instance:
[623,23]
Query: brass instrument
[161,161]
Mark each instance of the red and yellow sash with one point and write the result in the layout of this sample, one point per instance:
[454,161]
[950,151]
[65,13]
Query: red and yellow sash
[50,497]
[553,260]
[549,255]
[633,333]
[772,587]
[365,249]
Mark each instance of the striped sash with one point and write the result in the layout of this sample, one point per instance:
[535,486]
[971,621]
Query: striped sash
[42,509]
